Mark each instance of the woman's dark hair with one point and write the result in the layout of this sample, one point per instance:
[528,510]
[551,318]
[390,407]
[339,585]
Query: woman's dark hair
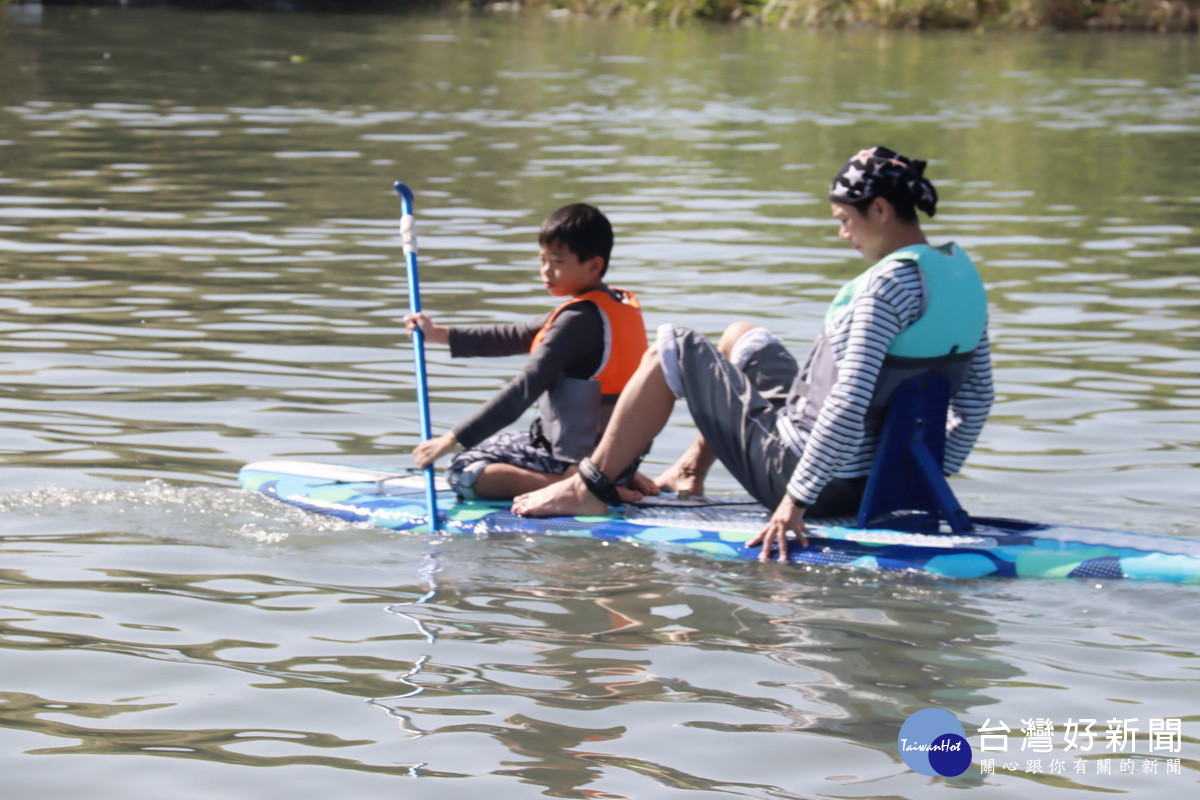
[880,172]
[901,202]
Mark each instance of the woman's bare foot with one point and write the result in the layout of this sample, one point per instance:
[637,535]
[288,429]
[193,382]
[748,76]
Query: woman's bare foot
[684,480]
[686,476]
[565,498]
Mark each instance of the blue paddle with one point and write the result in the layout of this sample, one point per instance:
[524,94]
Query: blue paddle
[408,239]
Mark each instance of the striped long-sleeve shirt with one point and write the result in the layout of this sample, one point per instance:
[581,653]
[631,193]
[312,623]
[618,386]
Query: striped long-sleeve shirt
[838,445]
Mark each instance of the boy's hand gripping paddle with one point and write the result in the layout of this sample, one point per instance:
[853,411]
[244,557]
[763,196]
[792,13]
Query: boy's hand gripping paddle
[408,239]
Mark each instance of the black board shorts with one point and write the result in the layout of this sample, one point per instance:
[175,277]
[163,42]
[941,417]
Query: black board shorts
[526,450]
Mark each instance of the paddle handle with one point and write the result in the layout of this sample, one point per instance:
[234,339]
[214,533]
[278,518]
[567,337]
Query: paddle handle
[408,240]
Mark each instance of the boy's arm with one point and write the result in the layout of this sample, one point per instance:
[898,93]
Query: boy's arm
[503,339]
[574,342]
[434,333]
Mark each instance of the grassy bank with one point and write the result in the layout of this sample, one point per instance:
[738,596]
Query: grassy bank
[1105,15]
[1110,15]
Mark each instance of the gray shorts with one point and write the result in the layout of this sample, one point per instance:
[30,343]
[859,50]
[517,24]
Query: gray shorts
[735,402]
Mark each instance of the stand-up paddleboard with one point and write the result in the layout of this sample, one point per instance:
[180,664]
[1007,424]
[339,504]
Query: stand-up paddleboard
[395,499]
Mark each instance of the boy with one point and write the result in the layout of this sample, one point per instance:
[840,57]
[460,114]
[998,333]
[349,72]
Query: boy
[581,356]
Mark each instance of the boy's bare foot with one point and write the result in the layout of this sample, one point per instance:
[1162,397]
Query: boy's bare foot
[630,495]
[565,498]
[642,486]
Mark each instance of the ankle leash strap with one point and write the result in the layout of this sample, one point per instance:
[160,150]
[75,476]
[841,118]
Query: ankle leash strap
[597,483]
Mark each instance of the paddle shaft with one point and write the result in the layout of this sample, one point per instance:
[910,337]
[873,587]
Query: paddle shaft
[408,239]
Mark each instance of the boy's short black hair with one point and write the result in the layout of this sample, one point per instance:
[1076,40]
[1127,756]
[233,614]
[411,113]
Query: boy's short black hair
[583,229]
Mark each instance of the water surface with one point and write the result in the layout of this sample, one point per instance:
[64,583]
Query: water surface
[200,269]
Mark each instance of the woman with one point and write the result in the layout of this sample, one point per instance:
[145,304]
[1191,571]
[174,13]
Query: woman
[802,440]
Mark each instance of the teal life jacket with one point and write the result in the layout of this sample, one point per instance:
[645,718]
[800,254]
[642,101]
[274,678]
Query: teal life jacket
[942,340]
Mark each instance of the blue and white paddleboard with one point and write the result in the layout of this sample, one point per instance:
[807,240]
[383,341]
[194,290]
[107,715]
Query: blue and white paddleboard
[395,499]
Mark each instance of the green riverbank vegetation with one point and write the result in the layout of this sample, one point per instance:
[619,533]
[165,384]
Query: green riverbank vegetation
[1161,16]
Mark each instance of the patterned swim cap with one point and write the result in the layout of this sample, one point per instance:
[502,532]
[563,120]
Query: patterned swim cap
[880,172]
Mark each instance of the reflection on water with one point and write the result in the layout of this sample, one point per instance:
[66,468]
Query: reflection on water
[200,269]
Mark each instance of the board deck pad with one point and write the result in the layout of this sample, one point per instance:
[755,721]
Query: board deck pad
[394,499]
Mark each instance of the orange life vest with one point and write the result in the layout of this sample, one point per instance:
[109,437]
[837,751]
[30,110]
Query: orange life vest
[624,335]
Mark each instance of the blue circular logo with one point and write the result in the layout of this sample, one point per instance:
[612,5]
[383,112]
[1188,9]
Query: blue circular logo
[933,742]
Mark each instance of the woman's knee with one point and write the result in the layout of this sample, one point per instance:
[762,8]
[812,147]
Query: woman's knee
[734,332]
